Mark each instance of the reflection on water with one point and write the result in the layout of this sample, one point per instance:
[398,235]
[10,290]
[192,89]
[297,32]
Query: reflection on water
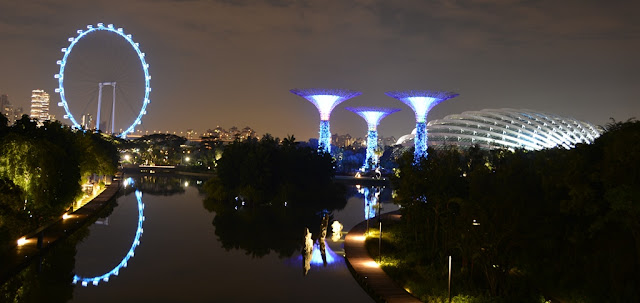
[84,281]
[260,227]
[336,231]
[217,250]
[306,253]
[371,195]
[318,252]
[159,185]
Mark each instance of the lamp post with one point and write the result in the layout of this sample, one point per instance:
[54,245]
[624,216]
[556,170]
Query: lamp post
[380,245]
[449,279]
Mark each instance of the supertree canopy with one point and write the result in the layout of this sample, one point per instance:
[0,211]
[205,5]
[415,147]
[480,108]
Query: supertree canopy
[325,101]
[373,116]
[421,101]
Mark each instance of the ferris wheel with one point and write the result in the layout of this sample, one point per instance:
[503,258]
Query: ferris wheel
[100,60]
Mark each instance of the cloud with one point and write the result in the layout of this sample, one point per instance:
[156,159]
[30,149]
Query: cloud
[506,22]
[258,49]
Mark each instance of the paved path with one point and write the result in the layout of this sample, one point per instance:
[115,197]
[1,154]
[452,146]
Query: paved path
[367,272]
[40,241]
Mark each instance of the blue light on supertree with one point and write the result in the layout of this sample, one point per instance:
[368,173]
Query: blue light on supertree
[421,102]
[373,116]
[324,137]
[371,196]
[325,101]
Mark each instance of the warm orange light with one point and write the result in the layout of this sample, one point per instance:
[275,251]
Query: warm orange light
[371,264]
[359,238]
[22,241]
[66,216]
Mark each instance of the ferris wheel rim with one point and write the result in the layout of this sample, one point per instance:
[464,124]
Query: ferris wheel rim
[84,281]
[63,62]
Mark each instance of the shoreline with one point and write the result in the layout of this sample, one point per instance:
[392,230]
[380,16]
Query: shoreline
[44,238]
[367,272]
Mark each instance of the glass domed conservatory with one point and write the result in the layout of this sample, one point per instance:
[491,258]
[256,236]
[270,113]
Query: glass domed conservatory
[507,128]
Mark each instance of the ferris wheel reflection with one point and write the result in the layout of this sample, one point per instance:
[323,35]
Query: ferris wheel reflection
[85,281]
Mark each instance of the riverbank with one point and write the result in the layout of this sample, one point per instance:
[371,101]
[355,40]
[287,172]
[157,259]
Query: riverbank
[367,272]
[38,242]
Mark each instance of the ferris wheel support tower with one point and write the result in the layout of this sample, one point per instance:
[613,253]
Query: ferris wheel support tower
[113,105]
[145,69]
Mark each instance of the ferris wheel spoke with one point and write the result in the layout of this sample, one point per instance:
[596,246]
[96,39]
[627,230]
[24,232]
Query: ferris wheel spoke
[111,70]
[93,98]
[126,101]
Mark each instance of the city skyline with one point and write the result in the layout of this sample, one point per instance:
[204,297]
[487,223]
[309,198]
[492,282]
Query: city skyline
[210,67]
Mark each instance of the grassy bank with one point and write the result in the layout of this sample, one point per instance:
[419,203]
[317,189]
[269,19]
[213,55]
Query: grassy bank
[428,279]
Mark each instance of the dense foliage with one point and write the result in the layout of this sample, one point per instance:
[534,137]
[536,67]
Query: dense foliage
[42,169]
[265,194]
[564,223]
[266,172]
[154,149]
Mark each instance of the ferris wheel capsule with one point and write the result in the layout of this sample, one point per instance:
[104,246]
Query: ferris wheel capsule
[124,263]
[63,64]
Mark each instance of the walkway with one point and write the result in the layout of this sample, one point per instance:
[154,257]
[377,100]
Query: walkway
[39,242]
[366,270]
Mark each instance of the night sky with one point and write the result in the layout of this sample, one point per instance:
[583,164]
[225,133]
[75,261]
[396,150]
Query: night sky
[232,62]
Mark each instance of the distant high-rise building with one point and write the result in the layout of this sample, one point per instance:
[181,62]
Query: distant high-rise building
[4,101]
[39,105]
[190,134]
[5,106]
[246,133]
[219,134]
[87,121]
[12,113]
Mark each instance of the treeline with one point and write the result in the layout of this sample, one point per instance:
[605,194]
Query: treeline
[265,194]
[562,223]
[266,172]
[42,169]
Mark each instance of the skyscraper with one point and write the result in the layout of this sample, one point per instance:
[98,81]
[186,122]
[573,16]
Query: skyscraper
[12,113]
[4,102]
[39,105]
[5,106]
[87,121]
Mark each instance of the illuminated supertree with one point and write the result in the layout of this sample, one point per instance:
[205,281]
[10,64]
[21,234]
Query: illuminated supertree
[325,100]
[421,101]
[373,116]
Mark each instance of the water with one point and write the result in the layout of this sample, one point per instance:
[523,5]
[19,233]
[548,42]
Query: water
[181,259]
